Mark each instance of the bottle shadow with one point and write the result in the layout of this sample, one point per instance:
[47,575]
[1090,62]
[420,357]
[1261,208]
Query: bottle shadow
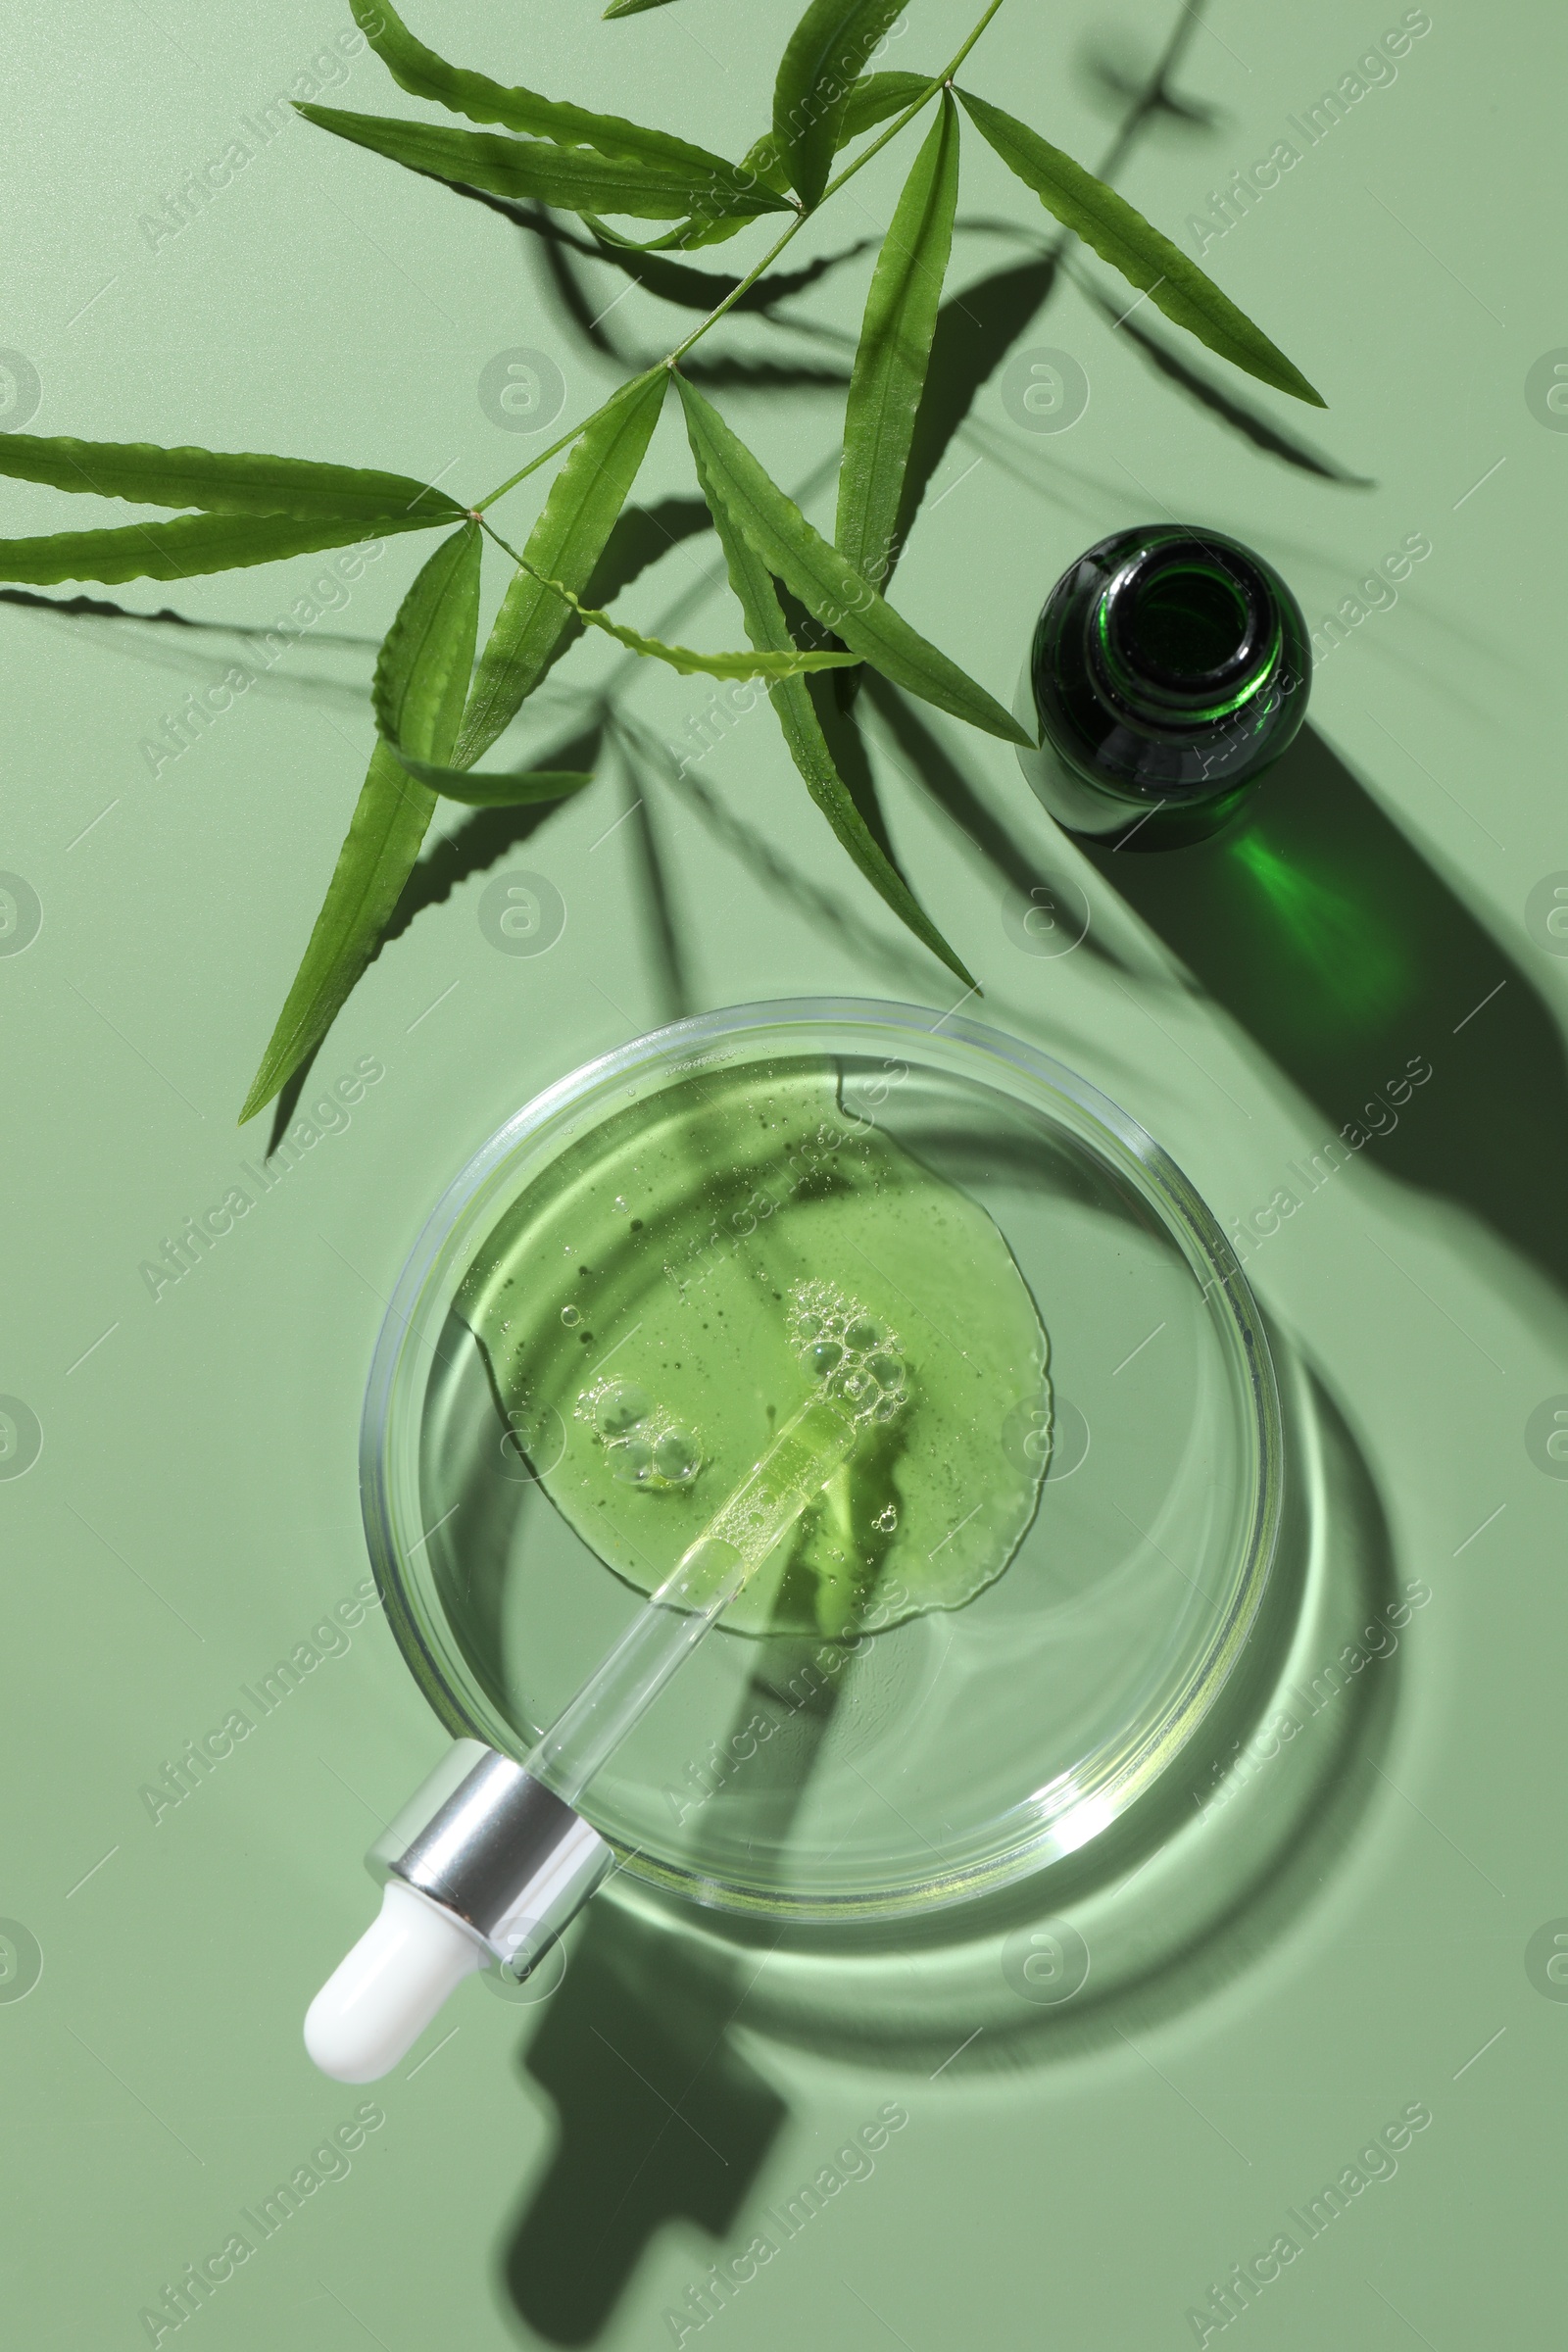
[1318,926]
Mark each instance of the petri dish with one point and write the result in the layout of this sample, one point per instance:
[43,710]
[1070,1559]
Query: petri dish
[900,1766]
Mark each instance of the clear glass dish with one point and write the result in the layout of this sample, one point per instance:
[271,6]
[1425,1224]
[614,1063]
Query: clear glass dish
[953,1752]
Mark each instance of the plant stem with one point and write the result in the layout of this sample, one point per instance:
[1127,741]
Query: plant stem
[744,285]
[543,459]
[490,532]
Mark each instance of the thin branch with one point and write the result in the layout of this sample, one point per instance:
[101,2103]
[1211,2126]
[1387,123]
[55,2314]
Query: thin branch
[721,310]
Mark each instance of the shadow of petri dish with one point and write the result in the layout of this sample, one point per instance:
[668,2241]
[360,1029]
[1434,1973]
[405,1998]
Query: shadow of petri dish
[961,1751]
[1215,1860]
[1219,1860]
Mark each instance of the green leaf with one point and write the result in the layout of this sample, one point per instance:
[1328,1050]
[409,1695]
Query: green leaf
[424,668]
[895,350]
[425,75]
[830,589]
[701,230]
[826,55]
[178,551]
[221,481]
[388,824]
[633,8]
[536,169]
[566,543]
[873,99]
[1121,237]
[808,747]
[427,661]
[523,789]
[877,97]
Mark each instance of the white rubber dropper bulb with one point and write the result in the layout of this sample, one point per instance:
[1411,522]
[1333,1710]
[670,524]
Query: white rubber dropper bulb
[378,2002]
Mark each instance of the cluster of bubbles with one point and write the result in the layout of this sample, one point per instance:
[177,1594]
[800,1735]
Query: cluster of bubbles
[647,1446]
[853,1357]
[856,1358]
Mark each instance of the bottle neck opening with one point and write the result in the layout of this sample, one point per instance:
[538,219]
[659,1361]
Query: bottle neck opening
[1184,634]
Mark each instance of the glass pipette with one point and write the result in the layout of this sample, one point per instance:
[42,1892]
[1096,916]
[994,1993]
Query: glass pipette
[489,1861]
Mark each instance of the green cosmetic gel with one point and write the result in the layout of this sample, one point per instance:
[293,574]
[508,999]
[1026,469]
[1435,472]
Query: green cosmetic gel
[657,1306]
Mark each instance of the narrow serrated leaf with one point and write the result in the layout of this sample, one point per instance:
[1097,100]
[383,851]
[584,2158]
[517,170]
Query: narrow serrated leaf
[575,179]
[523,789]
[894,352]
[389,822]
[684,237]
[808,747]
[424,667]
[877,97]
[566,543]
[418,70]
[831,589]
[826,55]
[178,551]
[426,659]
[221,481]
[1120,235]
[874,98]
[701,228]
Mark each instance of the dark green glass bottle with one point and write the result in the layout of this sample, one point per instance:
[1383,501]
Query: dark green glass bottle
[1169,669]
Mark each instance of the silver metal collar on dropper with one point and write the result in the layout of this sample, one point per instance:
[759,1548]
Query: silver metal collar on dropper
[497,1849]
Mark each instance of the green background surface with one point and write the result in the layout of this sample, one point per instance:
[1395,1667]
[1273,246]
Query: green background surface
[194,1512]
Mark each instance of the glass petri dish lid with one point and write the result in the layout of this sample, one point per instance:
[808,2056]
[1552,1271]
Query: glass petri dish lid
[909,1759]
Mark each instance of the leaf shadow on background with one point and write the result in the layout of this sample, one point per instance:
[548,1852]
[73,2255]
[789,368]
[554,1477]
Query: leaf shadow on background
[641,536]
[587,315]
[730,372]
[1108,74]
[288,1100]
[1147,100]
[1228,408]
[975,331]
[482,837]
[101,607]
[676,282]
[177,643]
[1325,934]
[786,884]
[929,764]
[667,956]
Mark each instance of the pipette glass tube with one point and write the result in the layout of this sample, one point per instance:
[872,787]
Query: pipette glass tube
[815,1442]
